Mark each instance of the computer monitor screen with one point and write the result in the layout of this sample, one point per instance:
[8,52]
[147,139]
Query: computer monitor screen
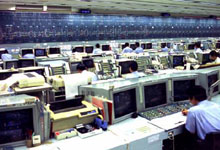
[73,66]
[143,45]
[89,49]
[54,50]
[149,46]
[191,46]
[6,75]
[178,61]
[125,66]
[40,52]
[212,79]
[89,63]
[205,58]
[16,125]
[133,46]
[105,47]
[79,49]
[39,71]
[217,45]
[168,45]
[155,95]
[26,51]
[11,64]
[180,88]
[163,45]
[26,63]
[124,102]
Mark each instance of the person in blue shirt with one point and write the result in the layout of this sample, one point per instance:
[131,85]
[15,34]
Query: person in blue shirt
[6,56]
[127,49]
[133,67]
[204,117]
[97,50]
[138,49]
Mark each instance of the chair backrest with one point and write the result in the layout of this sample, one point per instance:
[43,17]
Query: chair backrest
[213,140]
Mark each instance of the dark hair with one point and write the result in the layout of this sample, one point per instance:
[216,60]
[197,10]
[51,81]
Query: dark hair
[126,44]
[198,44]
[214,53]
[81,67]
[97,45]
[198,92]
[137,44]
[133,66]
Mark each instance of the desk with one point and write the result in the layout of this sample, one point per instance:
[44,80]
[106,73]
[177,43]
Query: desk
[105,141]
[39,89]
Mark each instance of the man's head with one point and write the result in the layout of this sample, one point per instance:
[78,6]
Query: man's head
[80,68]
[213,55]
[137,44]
[133,66]
[126,44]
[197,45]
[97,45]
[196,94]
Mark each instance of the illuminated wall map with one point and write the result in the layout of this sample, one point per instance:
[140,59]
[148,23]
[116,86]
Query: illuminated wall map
[47,27]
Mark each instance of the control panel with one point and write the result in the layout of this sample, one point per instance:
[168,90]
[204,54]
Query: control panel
[165,110]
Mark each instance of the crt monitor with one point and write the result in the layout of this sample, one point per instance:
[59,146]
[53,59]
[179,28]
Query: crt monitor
[205,58]
[26,51]
[26,63]
[143,45]
[155,95]
[79,49]
[125,66]
[212,79]
[89,49]
[16,125]
[54,50]
[89,63]
[149,46]
[217,45]
[180,88]
[163,45]
[11,64]
[39,52]
[73,66]
[168,45]
[106,47]
[5,75]
[178,61]
[39,71]
[124,103]
[191,46]
[133,46]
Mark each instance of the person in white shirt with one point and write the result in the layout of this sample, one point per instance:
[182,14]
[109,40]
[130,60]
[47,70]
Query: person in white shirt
[138,49]
[81,68]
[198,47]
[133,67]
[127,49]
[97,50]
[214,56]
[6,56]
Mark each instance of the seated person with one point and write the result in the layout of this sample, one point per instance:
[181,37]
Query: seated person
[81,68]
[198,47]
[139,49]
[204,117]
[165,49]
[133,67]
[97,49]
[6,56]
[29,56]
[127,49]
[214,56]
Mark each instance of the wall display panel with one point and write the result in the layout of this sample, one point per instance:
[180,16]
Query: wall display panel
[26,27]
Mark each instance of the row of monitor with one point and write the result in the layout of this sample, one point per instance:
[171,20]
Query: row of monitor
[152,93]
[41,52]
[18,63]
[89,49]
